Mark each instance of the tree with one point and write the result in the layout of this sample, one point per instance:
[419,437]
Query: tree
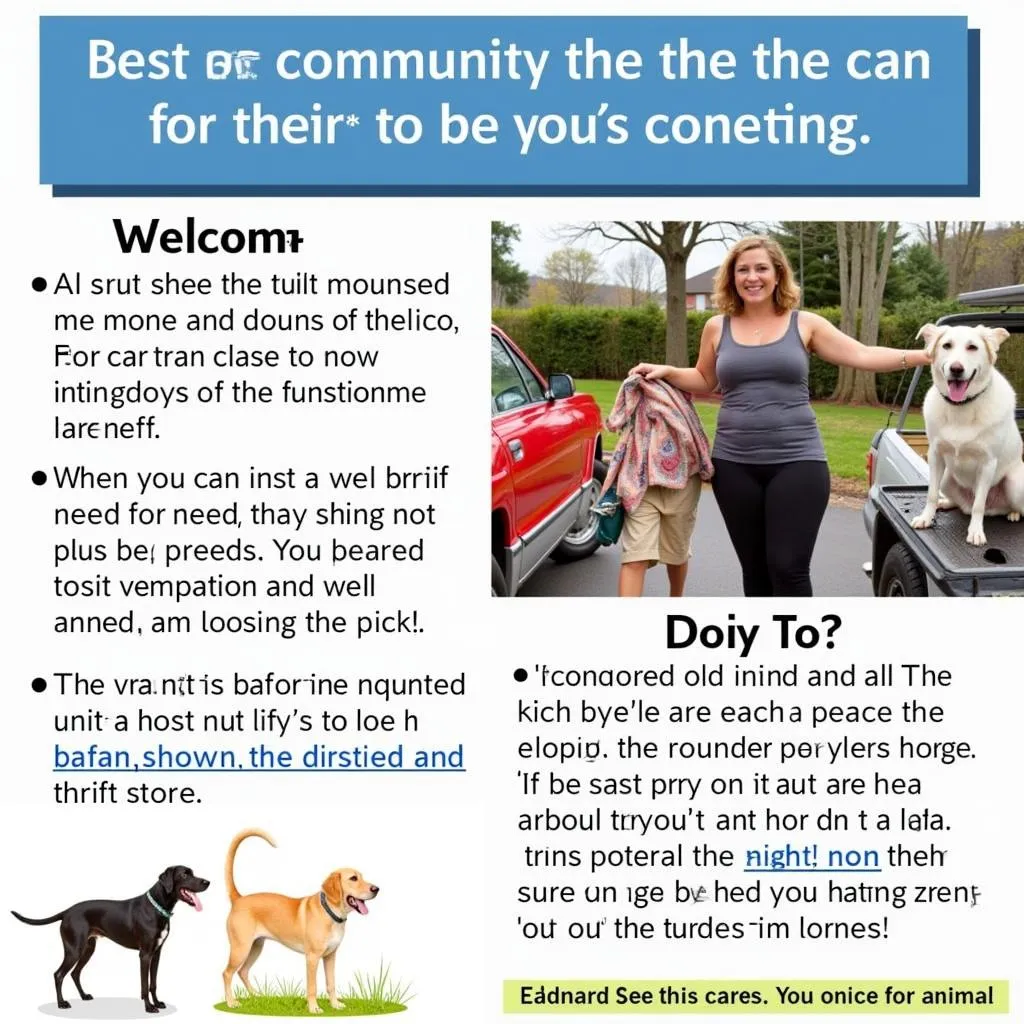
[1012,245]
[543,293]
[673,242]
[1000,256]
[811,248]
[575,273]
[509,282]
[956,244]
[921,273]
[639,275]
[865,252]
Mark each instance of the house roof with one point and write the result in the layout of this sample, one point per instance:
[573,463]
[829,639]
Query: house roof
[702,283]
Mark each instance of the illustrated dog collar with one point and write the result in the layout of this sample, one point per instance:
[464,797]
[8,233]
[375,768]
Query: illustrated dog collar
[159,909]
[327,910]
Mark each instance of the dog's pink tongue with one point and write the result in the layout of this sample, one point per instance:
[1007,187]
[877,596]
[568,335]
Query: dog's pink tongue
[361,906]
[957,389]
[195,899]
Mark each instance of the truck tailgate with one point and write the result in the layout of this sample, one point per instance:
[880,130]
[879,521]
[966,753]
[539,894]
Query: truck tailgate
[994,568]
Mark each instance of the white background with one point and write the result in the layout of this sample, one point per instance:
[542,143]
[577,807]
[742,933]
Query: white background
[443,849]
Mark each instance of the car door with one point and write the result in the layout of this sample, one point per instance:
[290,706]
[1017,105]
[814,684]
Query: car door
[540,436]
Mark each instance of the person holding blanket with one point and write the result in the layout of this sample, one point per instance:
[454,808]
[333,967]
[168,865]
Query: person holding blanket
[656,470]
[771,479]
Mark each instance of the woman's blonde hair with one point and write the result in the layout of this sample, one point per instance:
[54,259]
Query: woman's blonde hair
[786,295]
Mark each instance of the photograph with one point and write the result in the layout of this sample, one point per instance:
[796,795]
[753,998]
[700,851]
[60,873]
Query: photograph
[779,409]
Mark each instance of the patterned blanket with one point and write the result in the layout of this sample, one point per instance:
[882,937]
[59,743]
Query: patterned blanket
[661,440]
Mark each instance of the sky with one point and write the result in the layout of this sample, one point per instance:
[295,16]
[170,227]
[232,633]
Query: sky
[538,239]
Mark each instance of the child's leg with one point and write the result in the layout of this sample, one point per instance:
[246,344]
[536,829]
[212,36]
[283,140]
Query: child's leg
[631,579]
[679,517]
[639,547]
[677,579]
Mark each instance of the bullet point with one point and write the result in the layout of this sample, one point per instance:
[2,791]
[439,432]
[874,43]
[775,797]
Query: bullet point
[39,685]
[520,675]
[39,478]
[39,284]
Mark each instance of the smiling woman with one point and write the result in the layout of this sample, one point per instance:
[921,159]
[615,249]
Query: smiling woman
[771,477]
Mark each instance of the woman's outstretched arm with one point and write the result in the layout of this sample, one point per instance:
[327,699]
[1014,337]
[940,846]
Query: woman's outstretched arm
[701,379]
[827,341]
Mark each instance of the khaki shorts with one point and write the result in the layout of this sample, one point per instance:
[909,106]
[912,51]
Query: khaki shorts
[660,527]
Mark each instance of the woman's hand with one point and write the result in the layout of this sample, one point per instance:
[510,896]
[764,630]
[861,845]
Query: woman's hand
[651,371]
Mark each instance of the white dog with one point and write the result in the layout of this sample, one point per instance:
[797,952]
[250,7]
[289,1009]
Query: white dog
[974,447]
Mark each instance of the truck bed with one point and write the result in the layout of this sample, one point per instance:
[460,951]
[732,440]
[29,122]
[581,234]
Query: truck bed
[993,568]
[918,439]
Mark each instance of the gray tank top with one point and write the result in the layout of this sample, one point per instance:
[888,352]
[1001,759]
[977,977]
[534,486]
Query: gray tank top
[765,415]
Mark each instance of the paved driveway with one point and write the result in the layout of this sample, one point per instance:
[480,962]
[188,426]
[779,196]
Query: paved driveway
[842,549]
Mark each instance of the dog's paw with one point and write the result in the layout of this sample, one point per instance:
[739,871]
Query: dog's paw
[152,1009]
[923,521]
[233,1004]
[63,1005]
[86,996]
[976,537]
[945,504]
[314,1008]
[1014,517]
[337,1006]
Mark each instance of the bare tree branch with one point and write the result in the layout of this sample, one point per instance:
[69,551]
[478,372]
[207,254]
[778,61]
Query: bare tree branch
[673,241]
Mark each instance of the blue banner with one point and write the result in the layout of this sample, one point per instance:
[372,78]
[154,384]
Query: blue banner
[509,106]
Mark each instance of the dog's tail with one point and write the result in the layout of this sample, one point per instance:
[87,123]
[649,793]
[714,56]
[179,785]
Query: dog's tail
[229,866]
[44,920]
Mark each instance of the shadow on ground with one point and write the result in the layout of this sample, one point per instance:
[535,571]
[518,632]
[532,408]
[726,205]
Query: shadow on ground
[105,1009]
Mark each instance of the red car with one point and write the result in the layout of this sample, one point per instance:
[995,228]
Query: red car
[546,468]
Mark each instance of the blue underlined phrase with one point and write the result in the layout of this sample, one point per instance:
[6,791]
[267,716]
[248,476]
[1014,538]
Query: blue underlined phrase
[315,758]
[242,768]
[811,871]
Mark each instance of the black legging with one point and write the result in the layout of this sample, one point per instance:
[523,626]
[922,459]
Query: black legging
[773,513]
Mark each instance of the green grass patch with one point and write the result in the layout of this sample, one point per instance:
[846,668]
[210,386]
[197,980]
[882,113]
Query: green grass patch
[846,430]
[368,995]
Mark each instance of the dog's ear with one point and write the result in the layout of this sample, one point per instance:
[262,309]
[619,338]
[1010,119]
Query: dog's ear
[332,888]
[166,880]
[993,338]
[931,334]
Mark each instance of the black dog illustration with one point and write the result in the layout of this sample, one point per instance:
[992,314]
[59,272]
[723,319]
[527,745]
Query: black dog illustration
[141,923]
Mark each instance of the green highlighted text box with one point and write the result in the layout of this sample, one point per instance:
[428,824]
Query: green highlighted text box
[936,996]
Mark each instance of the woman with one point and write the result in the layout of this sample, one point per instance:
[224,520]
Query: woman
[771,479]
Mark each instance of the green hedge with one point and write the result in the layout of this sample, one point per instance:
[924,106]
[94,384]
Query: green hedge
[598,343]
[586,341]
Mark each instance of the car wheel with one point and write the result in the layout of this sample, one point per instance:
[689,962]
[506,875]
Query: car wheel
[901,575]
[581,541]
[498,587]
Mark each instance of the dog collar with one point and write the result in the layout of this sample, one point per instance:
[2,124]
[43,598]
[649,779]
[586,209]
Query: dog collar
[970,398]
[159,909]
[337,919]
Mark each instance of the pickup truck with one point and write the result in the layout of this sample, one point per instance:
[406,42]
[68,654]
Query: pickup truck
[917,563]
[546,468]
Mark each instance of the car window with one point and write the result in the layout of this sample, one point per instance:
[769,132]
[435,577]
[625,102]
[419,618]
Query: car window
[533,385]
[513,383]
[507,388]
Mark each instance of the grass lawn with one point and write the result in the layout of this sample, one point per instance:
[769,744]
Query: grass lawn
[295,1006]
[845,429]
[369,995]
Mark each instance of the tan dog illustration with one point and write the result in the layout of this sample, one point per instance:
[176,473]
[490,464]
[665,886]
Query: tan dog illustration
[311,925]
